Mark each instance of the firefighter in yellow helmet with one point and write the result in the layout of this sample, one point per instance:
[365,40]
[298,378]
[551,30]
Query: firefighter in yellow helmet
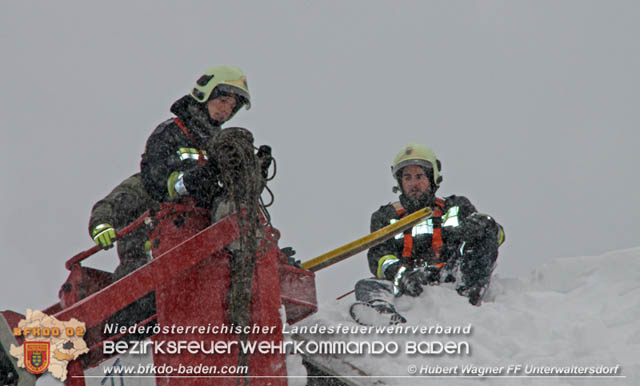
[174,163]
[457,244]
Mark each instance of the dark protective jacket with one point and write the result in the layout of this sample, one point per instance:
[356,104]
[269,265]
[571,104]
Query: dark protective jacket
[126,202]
[169,149]
[456,228]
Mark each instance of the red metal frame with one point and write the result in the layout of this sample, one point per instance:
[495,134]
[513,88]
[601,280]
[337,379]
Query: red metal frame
[190,277]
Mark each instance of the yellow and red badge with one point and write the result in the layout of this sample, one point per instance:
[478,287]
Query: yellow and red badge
[36,356]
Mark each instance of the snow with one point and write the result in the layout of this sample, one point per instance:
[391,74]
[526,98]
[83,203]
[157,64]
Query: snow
[579,311]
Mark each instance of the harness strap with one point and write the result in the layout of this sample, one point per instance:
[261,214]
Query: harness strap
[408,238]
[408,244]
[436,238]
[178,121]
[399,208]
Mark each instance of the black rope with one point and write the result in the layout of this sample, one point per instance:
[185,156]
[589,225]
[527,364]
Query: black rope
[242,181]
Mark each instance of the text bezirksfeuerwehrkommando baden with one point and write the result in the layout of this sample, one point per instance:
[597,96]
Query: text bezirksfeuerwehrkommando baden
[274,345]
[226,347]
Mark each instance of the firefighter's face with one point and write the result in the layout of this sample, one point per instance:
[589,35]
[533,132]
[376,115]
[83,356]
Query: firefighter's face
[220,108]
[415,181]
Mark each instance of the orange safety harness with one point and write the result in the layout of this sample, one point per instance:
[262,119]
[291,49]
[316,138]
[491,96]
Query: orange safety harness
[436,238]
[201,159]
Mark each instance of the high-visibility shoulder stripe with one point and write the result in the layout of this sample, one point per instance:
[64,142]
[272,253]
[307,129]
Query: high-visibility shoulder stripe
[191,153]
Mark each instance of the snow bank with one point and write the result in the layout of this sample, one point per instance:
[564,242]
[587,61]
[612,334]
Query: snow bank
[582,311]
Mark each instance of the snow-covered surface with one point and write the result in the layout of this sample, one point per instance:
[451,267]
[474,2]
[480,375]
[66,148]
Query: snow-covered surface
[581,311]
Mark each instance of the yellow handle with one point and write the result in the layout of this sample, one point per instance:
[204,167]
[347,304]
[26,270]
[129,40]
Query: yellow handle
[367,241]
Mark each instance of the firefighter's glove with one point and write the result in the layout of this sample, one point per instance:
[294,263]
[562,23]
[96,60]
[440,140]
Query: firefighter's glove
[407,281]
[176,185]
[104,235]
[264,156]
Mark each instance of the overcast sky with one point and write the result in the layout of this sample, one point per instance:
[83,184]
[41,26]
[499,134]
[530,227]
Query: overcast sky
[531,106]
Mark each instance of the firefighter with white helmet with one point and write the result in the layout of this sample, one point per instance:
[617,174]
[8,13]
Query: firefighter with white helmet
[457,244]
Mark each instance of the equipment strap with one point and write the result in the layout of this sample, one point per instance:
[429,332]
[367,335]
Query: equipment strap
[178,121]
[436,238]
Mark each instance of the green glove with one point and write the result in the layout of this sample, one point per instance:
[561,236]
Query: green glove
[104,235]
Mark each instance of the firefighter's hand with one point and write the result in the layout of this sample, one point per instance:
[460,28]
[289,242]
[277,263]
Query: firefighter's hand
[407,281]
[104,235]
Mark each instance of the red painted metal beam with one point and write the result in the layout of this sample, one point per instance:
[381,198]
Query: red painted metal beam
[97,307]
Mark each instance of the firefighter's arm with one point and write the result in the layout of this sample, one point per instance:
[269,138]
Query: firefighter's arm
[170,175]
[100,228]
[383,258]
[478,225]
[475,227]
[159,162]
[197,182]
[472,224]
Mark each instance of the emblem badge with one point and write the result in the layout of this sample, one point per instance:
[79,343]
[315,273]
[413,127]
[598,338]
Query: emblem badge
[36,356]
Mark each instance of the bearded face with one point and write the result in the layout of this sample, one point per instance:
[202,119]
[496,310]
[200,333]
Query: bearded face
[415,182]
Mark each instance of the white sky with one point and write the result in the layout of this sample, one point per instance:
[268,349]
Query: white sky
[531,106]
